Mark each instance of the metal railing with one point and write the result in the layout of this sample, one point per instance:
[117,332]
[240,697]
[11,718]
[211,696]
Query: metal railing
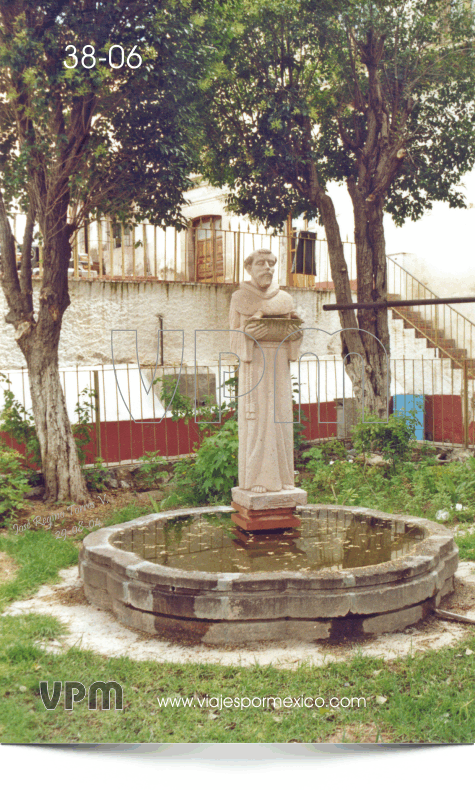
[209,252]
[205,252]
[127,421]
[438,324]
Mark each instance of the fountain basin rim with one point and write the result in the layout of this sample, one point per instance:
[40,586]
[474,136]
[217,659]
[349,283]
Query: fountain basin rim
[223,608]
[422,558]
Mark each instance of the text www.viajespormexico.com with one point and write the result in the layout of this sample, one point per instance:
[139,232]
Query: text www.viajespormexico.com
[271,702]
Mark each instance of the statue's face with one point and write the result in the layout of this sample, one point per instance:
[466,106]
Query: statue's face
[262,272]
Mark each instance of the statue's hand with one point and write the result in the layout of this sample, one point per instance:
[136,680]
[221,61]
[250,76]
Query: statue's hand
[255,329]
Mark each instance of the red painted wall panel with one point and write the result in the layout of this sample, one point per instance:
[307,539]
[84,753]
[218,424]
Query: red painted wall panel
[125,440]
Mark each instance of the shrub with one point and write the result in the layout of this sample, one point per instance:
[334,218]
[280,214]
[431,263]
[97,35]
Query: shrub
[212,474]
[151,468]
[323,453]
[421,488]
[393,439]
[13,483]
[216,464]
[96,476]
[82,428]
[18,423]
[181,406]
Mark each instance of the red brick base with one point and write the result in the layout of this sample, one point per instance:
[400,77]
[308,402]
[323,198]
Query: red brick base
[265,520]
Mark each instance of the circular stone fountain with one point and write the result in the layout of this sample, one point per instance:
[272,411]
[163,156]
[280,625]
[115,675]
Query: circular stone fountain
[346,573]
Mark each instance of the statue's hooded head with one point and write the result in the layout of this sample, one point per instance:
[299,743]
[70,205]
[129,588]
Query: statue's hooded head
[260,265]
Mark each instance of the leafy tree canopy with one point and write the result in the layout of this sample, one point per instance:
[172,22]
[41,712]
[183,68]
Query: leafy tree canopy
[107,136]
[379,94]
[83,133]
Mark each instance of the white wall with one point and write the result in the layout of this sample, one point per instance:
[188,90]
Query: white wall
[438,249]
[98,308]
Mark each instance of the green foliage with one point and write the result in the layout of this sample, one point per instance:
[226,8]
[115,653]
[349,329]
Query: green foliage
[413,484]
[126,514]
[85,416]
[212,474]
[96,476]
[18,423]
[13,483]
[298,426]
[135,147]
[324,452]
[420,488]
[151,469]
[216,465]
[295,105]
[181,406]
[393,439]
[378,95]
[232,385]
[466,545]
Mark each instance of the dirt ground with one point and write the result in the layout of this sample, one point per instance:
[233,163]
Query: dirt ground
[8,567]
[37,515]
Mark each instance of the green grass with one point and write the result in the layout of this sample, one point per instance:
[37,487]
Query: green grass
[39,555]
[466,545]
[127,513]
[430,697]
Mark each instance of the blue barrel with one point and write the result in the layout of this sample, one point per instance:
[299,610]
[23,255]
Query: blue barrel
[406,403]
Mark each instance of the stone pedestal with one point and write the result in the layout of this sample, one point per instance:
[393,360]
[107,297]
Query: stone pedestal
[266,511]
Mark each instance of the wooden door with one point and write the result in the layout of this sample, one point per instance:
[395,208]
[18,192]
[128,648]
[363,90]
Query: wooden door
[209,250]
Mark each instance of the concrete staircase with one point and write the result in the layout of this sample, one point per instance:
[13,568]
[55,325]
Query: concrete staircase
[435,336]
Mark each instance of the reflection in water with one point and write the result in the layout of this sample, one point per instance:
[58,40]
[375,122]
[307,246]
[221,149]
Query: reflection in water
[207,543]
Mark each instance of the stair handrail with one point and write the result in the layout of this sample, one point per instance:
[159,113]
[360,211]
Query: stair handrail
[463,335]
[436,296]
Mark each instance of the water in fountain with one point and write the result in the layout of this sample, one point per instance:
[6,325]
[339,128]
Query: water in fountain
[207,543]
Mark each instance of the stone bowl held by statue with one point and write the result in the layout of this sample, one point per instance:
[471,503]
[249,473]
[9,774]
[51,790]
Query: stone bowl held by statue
[277,327]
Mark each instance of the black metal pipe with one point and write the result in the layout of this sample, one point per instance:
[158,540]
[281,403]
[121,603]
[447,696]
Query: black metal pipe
[395,303]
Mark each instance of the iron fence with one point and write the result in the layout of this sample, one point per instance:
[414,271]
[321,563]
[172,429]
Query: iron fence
[128,419]
[213,250]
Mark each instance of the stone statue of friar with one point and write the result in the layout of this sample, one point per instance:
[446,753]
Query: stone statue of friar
[266,445]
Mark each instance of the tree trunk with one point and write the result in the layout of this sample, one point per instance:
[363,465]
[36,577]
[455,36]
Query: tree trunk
[61,468]
[364,356]
[39,340]
[371,268]
[60,462]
